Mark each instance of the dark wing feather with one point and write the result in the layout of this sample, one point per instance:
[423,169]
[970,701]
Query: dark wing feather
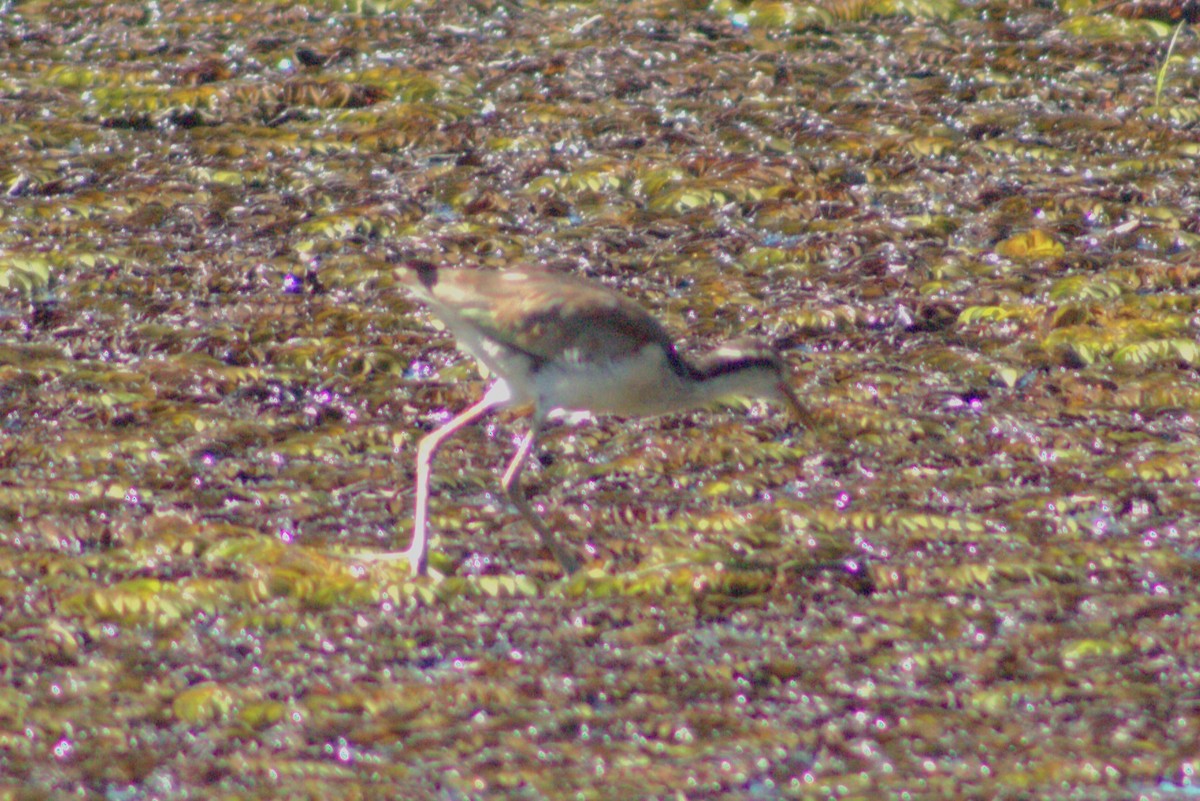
[542,314]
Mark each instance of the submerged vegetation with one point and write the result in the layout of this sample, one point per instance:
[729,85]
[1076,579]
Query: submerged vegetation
[973,225]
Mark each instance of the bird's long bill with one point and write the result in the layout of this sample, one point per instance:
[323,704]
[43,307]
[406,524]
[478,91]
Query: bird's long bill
[796,410]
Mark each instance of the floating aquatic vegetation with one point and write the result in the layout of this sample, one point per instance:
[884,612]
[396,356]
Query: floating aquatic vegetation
[970,228]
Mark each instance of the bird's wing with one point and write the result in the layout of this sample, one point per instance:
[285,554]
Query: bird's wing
[545,315]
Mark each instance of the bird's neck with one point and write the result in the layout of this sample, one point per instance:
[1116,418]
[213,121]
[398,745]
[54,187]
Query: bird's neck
[721,374]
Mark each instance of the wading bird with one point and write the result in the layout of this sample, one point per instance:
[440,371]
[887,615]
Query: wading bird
[571,348]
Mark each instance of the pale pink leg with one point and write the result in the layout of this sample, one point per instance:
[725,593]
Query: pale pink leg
[418,552]
[512,486]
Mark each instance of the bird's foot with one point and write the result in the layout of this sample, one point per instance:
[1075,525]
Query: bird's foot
[417,563]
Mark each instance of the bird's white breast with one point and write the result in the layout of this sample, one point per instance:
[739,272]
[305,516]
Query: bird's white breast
[637,386]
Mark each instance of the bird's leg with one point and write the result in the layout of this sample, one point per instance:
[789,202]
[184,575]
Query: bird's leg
[512,486]
[418,552]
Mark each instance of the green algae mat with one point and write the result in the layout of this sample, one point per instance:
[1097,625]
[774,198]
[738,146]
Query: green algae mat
[972,228]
